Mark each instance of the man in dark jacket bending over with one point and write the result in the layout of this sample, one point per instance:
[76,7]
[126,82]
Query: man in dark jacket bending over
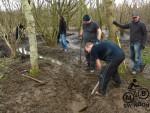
[138,36]
[113,55]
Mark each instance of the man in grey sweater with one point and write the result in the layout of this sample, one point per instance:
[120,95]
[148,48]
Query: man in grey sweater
[138,36]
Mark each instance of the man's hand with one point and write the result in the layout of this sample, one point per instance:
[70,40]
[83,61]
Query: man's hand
[142,46]
[98,64]
[80,37]
[99,33]
[115,22]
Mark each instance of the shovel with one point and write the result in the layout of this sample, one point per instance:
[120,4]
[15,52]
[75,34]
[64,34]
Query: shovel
[118,41]
[80,60]
[95,88]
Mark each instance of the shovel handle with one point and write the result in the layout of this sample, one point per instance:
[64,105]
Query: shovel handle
[94,90]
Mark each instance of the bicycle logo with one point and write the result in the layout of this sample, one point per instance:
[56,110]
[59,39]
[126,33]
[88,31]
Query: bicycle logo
[135,95]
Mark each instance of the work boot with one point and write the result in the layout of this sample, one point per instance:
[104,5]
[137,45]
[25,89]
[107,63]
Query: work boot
[134,72]
[116,85]
[65,50]
[100,93]
[92,70]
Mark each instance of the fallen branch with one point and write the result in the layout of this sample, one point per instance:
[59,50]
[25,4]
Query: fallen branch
[36,80]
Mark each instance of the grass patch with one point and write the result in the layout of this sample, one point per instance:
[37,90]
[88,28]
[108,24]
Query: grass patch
[139,77]
[4,66]
[143,81]
[146,55]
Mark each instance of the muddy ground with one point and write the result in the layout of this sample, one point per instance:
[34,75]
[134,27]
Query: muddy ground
[67,87]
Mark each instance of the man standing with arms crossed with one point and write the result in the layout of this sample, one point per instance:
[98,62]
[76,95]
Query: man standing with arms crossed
[90,31]
[138,36]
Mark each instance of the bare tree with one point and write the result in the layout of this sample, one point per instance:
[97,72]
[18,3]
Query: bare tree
[47,17]
[109,12]
[8,23]
[26,8]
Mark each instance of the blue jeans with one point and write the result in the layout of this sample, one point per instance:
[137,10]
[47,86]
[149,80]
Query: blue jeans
[62,41]
[135,55]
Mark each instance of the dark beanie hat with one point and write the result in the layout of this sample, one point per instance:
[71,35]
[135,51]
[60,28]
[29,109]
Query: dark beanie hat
[135,13]
[86,18]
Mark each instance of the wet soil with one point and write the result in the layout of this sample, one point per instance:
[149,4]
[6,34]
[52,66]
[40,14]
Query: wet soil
[67,87]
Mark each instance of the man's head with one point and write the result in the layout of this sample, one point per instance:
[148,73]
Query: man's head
[135,17]
[86,19]
[21,26]
[88,46]
[61,18]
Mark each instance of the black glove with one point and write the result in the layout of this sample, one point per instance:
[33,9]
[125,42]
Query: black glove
[114,22]
[142,46]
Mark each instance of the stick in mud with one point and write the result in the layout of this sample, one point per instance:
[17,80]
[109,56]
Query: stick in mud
[29,77]
[94,90]
[36,80]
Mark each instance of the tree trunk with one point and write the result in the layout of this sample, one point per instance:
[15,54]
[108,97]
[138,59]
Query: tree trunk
[82,10]
[109,10]
[99,14]
[26,8]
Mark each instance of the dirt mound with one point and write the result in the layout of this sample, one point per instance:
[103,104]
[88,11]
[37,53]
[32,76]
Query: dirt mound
[67,90]
[58,95]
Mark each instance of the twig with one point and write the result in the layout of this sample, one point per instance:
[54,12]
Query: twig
[36,80]
[29,77]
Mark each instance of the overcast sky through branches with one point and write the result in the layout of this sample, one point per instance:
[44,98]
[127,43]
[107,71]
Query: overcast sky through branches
[14,3]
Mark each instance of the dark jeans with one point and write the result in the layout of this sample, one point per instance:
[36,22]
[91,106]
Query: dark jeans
[110,71]
[135,55]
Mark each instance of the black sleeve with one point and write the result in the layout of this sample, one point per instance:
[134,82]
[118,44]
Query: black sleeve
[65,27]
[144,31]
[62,27]
[94,53]
[123,26]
